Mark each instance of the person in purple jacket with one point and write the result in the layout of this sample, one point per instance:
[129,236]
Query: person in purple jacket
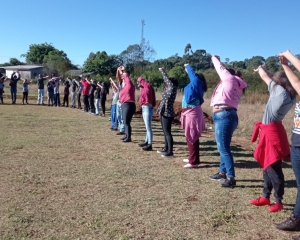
[224,101]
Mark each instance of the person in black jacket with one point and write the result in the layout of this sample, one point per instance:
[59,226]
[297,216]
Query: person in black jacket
[15,77]
[92,96]
[166,112]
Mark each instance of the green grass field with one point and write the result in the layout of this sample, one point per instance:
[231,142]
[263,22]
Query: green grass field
[65,175]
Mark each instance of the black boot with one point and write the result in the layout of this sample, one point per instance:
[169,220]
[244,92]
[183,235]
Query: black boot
[2,100]
[148,147]
[291,224]
[143,144]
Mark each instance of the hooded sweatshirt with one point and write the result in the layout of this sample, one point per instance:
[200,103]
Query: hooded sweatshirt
[229,90]
[147,95]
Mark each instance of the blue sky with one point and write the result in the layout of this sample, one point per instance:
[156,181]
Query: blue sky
[234,29]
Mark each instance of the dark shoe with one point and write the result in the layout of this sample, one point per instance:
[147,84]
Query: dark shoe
[123,138]
[229,183]
[143,144]
[218,177]
[167,155]
[291,224]
[296,238]
[127,140]
[120,133]
[163,150]
[148,147]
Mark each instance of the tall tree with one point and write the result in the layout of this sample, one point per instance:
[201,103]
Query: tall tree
[37,52]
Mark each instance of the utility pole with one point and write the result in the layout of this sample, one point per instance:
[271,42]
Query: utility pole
[142,34]
[142,40]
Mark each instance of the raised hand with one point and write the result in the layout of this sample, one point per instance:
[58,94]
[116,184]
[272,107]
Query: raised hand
[283,60]
[284,53]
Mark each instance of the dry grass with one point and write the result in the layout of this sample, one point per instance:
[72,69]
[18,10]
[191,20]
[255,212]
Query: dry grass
[65,175]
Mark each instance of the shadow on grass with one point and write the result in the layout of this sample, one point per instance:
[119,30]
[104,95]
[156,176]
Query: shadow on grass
[287,184]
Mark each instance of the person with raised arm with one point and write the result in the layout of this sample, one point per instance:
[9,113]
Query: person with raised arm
[97,98]
[127,100]
[15,77]
[41,88]
[92,97]
[25,90]
[192,118]
[50,91]
[113,109]
[119,119]
[166,112]
[103,94]
[85,92]
[74,87]
[224,101]
[2,80]
[273,145]
[56,91]
[147,102]
[293,222]
[79,92]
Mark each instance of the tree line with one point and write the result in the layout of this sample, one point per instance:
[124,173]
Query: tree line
[139,60]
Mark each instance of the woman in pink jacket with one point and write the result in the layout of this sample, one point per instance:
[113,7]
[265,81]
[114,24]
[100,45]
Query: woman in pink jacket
[147,102]
[127,99]
[192,118]
[224,101]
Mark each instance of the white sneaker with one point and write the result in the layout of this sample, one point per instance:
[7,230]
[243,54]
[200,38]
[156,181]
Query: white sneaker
[186,160]
[190,166]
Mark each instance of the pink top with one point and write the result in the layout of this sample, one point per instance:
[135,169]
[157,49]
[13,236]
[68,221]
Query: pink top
[193,123]
[229,90]
[127,92]
[147,95]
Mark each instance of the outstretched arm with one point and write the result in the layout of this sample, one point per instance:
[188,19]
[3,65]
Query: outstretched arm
[165,76]
[113,83]
[294,80]
[264,74]
[221,70]
[190,71]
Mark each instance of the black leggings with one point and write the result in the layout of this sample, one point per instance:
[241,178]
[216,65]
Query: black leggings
[25,97]
[128,109]
[92,104]
[78,98]
[166,123]
[102,101]
[66,99]
[86,103]
[274,178]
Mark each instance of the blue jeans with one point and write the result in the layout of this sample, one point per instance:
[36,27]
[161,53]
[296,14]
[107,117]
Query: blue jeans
[226,122]
[147,116]
[120,118]
[13,92]
[40,96]
[113,115]
[295,159]
[97,105]
[56,99]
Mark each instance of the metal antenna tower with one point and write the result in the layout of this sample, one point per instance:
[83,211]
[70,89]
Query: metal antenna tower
[142,34]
